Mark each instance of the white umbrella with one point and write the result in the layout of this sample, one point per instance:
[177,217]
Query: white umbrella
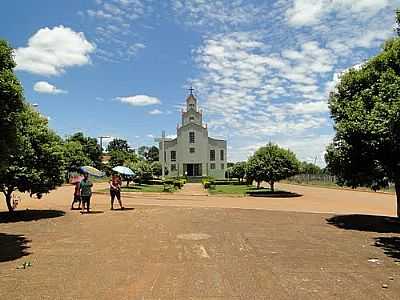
[123,170]
[92,171]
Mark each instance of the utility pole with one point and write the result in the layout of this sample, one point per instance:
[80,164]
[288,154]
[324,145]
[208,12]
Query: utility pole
[101,141]
[163,155]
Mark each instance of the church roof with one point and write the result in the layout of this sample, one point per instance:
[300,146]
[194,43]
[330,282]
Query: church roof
[190,97]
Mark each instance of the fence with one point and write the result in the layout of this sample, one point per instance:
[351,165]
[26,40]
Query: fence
[313,178]
[328,180]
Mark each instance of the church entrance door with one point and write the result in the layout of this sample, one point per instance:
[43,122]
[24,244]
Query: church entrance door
[193,170]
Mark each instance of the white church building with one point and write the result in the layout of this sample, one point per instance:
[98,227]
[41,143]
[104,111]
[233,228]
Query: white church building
[193,153]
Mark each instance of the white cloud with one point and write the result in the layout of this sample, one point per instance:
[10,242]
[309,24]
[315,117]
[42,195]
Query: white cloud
[115,32]
[51,50]
[222,14]
[139,100]
[47,88]
[311,12]
[310,148]
[306,12]
[155,112]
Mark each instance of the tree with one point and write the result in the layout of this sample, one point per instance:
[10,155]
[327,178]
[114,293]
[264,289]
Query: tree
[90,147]
[309,168]
[152,154]
[156,169]
[118,145]
[238,170]
[365,107]
[38,163]
[11,103]
[255,170]
[74,156]
[142,170]
[142,151]
[149,153]
[272,163]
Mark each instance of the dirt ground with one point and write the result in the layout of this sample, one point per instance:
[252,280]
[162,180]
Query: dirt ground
[324,244]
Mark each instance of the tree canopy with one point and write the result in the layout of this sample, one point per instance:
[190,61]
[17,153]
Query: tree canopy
[75,156]
[365,107]
[118,145]
[271,163]
[11,103]
[238,170]
[142,169]
[38,163]
[149,153]
[310,168]
[120,158]
[90,147]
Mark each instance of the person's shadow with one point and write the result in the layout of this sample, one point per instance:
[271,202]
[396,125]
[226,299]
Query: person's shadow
[124,209]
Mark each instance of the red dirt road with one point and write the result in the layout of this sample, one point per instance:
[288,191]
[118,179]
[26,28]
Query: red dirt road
[178,246]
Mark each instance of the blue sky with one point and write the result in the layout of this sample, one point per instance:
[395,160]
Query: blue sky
[262,70]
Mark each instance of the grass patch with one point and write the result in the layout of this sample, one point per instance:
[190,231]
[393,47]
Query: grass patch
[230,189]
[234,189]
[333,185]
[146,188]
[249,190]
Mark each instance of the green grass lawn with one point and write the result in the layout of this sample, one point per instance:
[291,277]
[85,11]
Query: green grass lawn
[233,189]
[335,186]
[146,188]
[150,188]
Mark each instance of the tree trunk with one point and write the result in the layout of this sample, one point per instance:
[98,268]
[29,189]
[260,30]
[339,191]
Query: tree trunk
[397,188]
[258,184]
[271,183]
[8,201]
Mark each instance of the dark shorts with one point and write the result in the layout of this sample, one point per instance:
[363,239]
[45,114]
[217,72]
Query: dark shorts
[77,198]
[85,199]
[115,193]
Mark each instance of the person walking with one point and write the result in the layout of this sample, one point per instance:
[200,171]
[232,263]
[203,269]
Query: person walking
[86,192]
[77,196]
[115,190]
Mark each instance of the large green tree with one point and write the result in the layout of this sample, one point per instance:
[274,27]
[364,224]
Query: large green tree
[75,156]
[142,169]
[38,161]
[309,168]
[11,103]
[149,153]
[271,164]
[365,106]
[121,158]
[238,170]
[90,147]
[118,145]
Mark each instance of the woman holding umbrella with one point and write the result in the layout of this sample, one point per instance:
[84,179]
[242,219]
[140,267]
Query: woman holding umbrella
[86,191]
[115,190]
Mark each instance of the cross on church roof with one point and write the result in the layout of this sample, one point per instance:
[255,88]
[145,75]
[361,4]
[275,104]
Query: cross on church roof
[191,90]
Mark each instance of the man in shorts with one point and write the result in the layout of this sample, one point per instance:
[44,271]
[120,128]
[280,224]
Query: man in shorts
[86,192]
[115,190]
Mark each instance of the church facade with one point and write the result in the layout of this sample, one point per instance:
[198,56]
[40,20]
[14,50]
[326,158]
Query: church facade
[193,153]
